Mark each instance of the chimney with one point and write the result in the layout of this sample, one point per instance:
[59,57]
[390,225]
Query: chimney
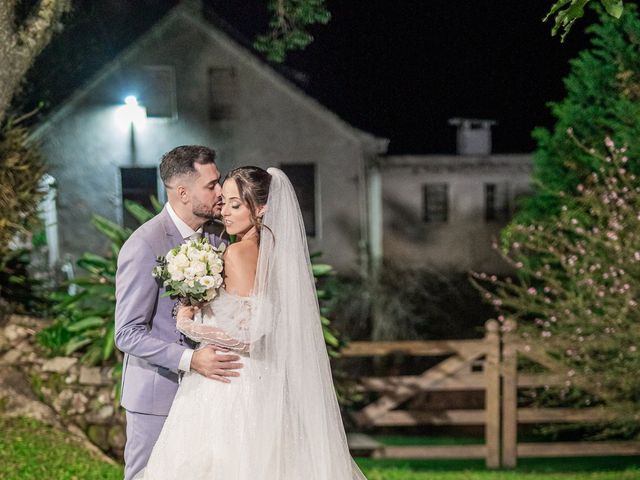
[473,136]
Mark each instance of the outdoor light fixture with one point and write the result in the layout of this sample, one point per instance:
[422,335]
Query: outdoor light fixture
[131,113]
[131,101]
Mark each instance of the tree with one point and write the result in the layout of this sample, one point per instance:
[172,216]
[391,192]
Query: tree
[566,12]
[289,24]
[579,298]
[22,38]
[603,98]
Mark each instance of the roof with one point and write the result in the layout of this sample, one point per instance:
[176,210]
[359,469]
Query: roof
[226,37]
[521,162]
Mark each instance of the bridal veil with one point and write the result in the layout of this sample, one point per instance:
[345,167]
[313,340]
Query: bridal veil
[293,428]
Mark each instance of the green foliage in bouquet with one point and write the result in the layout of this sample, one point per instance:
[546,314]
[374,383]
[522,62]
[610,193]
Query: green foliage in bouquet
[579,284]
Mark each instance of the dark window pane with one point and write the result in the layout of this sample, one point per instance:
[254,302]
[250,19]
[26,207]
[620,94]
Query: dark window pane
[435,198]
[158,91]
[497,207]
[138,185]
[222,92]
[303,179]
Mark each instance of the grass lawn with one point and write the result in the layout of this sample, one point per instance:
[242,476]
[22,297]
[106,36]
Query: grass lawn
[587,468]
[604,468]
[30,450]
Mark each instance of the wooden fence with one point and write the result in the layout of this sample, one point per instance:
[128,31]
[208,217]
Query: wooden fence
[489,364]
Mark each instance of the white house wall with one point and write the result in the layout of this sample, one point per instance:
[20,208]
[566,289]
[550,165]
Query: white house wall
[85,147]
[462,243]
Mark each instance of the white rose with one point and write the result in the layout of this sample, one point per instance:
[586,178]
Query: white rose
[215,265]
[176,273]
[181,260]
[208,282]
[199,269]
[189,274]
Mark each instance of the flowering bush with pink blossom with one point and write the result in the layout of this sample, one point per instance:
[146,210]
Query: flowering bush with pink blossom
[578,282]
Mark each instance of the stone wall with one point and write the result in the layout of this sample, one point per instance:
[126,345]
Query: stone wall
[58,390]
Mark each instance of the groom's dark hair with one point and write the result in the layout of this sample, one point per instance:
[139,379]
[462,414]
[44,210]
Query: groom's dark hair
[181,160]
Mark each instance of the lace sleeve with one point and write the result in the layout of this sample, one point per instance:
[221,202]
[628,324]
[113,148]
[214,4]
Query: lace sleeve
[206,333]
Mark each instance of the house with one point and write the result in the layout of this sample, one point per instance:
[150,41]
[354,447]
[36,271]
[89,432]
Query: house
[188,81]
[444,212]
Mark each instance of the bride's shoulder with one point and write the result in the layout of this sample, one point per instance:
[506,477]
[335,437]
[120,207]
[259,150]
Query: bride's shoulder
[241,251]
[240,260]
[241,255]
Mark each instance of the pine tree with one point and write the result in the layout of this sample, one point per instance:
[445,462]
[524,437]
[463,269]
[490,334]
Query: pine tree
[603,99]
[579,300]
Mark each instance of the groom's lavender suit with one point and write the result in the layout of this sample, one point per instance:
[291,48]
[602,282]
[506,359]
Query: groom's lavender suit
[146,333]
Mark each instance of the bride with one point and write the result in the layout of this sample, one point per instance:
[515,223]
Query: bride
[279,420]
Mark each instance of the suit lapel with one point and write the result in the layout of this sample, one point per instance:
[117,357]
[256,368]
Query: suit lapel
[172,234]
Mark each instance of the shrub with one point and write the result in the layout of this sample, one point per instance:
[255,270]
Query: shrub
[579,284]
[21,169]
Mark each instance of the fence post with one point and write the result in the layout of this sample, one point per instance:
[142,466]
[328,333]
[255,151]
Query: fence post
[509,395]
[492,394]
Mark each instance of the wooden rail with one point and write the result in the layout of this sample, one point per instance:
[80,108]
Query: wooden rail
[496,355]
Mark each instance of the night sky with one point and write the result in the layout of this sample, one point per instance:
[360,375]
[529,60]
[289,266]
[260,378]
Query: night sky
[398,69]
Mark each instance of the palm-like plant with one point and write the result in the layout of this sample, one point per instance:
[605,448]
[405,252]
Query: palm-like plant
[85,318]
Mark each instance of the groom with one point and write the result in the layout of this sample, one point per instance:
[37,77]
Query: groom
[155,352]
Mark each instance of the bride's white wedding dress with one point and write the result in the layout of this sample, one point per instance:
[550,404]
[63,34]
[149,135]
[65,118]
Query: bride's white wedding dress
[280,419]
[207,433]
[203,435]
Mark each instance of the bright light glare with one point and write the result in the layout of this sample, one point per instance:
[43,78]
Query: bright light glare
[131,113]
[131,101]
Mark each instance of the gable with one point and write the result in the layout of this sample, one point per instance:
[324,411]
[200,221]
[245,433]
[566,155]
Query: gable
[188,18]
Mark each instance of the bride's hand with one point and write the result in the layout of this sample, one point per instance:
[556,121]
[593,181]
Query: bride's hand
[186,313]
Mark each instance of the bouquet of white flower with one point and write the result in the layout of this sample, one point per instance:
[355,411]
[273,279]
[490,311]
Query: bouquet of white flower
[191,272]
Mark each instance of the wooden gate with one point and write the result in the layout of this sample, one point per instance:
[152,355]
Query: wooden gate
[489,364]
[453,373]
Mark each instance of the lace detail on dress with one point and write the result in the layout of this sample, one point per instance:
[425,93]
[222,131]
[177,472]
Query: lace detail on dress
[225,322]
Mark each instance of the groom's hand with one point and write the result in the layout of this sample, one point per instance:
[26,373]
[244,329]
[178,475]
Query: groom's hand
[210,363]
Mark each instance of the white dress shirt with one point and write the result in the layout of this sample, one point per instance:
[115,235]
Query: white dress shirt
[187,233]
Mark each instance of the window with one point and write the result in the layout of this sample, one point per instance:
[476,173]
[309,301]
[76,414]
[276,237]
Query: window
[222,92]
[435,202]
[303,179]
[158,91]
[138,184]
[496,202]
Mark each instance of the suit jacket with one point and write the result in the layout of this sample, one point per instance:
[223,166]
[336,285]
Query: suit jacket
[145,329]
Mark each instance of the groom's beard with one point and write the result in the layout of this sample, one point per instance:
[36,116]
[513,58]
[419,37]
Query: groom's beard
[206,213]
